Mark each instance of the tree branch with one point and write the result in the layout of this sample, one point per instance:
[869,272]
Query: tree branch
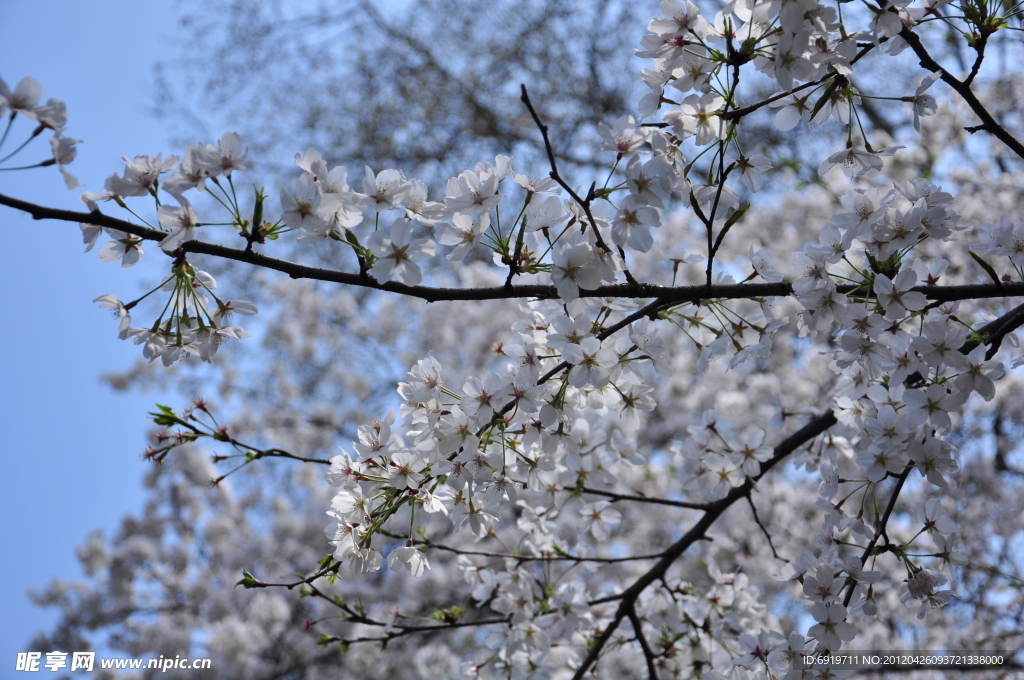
[697,532]
[663,294]
[652,672]
[645,499]
[880,529]
[988,123]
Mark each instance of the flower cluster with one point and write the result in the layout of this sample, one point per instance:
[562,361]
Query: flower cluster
[23,100]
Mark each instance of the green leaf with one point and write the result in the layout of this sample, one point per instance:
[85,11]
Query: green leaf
[165,417]
[257,210]
[247,580]
[736,216]
[696,208]
[988,269]
[733,219]
[824,97]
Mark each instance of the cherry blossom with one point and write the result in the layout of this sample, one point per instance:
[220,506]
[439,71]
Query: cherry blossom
[580,408]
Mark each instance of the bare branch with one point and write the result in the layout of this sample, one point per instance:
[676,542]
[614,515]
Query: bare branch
[645,499]
[665,295]
[697,532]
[963,88]
[652,672]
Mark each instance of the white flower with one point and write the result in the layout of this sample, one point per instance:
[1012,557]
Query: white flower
[632,223]
[832,629]
[120,313]
[546,213]
[895,296]
[124,247]
[384,190]
[791,110]
[182,221]
[222,159]
[979,374]
[750,169]
[302,209]
[933,458]
[575,265]
[698,115]
[747,450]
[722,475]
[855,162]
[924,104]
[397,253]
[462,232]
[600,519]
[64,152]
[472,193]
[932,517]
[534,185]
[624,138]
[932,404]
[208,339]
[191,174]
[761,262]
[410,557]
[591,362]
[24,97]
[650,183]
[140,175]
[921,586]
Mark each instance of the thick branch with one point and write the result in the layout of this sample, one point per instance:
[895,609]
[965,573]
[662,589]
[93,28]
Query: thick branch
[665,294]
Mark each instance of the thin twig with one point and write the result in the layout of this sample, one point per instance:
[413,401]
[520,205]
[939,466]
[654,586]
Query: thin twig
[757,519]
[583,203]
[880,530]
[645,499]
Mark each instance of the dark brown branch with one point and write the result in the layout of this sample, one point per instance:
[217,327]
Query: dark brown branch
[520,558]
[979,48]
[746,110]
[988,123]
[629,596]
[998,329]
[764,530]
[402,631]
[664,294]
[583,203]
[652,672]
[645,499]
[880,529]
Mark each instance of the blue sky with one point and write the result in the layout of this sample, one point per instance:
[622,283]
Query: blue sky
[69,445]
